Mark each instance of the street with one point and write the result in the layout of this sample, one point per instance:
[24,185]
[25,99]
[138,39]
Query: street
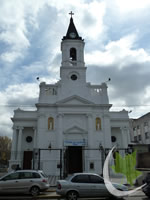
[53,196]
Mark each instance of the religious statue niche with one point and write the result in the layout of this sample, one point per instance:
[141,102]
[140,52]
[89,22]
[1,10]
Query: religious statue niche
[98,124]
[50,123]
[73,54]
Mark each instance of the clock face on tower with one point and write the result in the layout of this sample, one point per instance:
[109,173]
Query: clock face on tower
[72,35]
[74,77]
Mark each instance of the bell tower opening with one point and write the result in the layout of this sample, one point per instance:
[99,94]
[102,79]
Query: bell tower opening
[73,54]
[72,66]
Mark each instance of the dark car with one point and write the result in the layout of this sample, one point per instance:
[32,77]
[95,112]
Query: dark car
[24,181]
[85,185]
[146,188]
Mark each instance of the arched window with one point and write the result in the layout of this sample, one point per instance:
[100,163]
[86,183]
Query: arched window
[98,124]
[50,123]
[73,54]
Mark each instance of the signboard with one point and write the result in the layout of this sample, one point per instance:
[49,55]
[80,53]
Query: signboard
[75,142]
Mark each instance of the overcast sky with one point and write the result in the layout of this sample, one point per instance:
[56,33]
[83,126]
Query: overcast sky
[116,34]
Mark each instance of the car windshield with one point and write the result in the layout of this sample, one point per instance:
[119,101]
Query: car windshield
[68,177]
[43,174]
[11,176]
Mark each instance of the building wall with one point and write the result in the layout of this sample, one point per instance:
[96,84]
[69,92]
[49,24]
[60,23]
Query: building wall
[71,112]
[140,129]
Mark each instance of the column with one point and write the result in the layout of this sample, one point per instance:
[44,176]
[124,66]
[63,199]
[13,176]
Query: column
[124,137]
[35,138]
[90,131]
[107,131]
[19,144]
[128,136]
[59,132]
[59,143]
[14,144]
[90,141]
[41,125]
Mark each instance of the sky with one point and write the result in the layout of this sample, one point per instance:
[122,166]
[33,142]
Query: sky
[116,35]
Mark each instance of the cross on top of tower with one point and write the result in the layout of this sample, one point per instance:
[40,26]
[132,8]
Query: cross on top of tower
[72,32]
[71,13]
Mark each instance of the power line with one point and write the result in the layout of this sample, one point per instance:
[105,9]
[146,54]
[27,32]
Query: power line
[11,105]
[33,105]
[130,105]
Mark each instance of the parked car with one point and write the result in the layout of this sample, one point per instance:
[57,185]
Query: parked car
[24,181]
[84,185]
[146,188]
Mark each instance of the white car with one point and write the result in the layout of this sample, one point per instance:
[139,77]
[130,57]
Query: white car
[85,185]
[24,181]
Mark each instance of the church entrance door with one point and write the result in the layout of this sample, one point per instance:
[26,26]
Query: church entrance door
[74,159]
[27,160]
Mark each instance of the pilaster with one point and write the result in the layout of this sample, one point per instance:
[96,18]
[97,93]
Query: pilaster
[107,131]
[60,131]
[35,138]
[19,144]
[124,134]
[90,131]
[14,144]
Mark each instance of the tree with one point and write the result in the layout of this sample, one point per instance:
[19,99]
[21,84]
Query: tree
[5,150]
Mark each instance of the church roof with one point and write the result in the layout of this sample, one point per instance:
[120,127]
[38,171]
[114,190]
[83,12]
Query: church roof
[72,32]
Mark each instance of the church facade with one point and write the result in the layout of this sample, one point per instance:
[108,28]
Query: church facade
[72,123]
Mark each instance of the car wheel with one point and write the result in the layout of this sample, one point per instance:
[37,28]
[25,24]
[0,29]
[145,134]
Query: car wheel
[147,194]
[115,198]
[34,191]
[72,195]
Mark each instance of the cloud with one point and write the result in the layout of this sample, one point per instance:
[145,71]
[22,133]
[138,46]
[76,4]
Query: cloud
[126,87]
[130,6]
[116,34]
[23,96]
[120,52]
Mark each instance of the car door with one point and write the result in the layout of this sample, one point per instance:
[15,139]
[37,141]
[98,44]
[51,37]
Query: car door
[98,185]
[81,184]
[26,181]
[9,183]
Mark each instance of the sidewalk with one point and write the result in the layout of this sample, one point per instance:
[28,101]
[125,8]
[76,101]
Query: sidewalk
[51,194]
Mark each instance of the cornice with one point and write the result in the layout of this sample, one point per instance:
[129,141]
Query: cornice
[75,69]
[14,119]
[73,105]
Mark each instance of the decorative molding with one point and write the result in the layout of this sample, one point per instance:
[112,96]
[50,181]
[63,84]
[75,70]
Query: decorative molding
[75,129]
[60,115]
[23,119]
[89,115]
[74,97]
[106,115]
[20,127]
[39,115]
[124,128]
[58,104]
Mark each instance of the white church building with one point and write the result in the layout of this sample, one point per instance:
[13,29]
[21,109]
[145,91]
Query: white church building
[72,125]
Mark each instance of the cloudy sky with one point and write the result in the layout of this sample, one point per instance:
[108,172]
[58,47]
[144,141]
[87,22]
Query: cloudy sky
[116,34]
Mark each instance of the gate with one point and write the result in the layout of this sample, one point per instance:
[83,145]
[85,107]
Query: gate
[72,159]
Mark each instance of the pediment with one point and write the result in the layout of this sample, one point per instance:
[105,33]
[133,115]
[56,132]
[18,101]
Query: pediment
[74,100]
[75,130]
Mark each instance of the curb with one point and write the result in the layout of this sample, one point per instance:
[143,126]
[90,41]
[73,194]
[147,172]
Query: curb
[52,195]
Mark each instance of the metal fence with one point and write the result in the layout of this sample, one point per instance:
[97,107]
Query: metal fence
[62,162]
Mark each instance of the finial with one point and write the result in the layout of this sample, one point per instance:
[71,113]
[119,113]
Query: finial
[71,13]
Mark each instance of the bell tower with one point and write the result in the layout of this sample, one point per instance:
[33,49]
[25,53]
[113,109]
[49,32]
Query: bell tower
[72,47]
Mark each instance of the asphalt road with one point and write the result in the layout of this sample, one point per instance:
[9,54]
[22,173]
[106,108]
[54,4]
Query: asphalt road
[53,196]
[26,197]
